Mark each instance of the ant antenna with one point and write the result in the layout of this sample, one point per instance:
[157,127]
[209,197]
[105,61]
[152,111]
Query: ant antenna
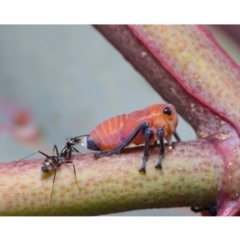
[23,158]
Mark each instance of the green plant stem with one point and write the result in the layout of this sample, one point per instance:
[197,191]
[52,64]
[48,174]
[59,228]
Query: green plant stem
[191,176]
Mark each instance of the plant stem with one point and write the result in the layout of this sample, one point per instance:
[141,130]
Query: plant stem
[191,176]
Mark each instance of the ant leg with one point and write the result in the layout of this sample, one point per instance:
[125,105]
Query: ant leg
[74,169]
[43,154]
[55,172]
[23,158]
[75,149]
[55,149]
[140,127]
[148,135]
[160,133]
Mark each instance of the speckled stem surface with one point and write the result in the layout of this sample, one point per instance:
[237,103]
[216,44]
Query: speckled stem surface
[189,69]
[194,58]
[191,175]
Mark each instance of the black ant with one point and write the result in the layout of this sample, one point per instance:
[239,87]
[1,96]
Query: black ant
[51,163]
[69,147]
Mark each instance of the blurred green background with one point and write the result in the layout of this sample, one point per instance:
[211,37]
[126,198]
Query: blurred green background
[60,81]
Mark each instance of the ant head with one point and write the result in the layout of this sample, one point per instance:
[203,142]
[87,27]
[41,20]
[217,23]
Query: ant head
[73,141]
[46,166]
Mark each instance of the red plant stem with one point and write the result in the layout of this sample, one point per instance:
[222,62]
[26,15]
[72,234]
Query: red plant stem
[187,67]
